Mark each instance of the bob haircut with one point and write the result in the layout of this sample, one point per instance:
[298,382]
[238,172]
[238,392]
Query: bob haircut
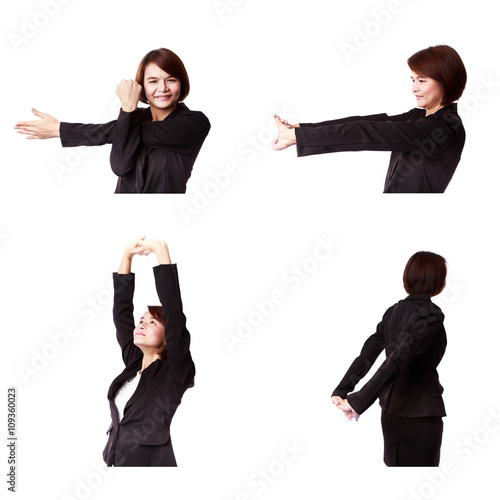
[168,62]
[443,64]
[425,272]
[157,313]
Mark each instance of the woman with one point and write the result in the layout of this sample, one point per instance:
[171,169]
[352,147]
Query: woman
[153,149]
[158,365]
[407,382]
[426,143]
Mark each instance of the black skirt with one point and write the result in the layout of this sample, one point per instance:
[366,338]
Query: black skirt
[412,442]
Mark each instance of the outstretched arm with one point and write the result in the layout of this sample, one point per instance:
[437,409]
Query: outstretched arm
[45,128]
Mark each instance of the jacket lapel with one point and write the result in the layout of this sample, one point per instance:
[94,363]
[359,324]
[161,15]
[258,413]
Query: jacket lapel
[146,377]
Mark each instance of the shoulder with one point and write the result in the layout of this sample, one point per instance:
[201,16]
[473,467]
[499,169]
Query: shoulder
[414,114]
[427,312]
[449,115]
[184,111]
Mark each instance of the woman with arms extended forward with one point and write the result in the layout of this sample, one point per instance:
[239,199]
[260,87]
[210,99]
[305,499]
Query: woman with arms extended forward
[158,365]
[407,383]
[426,143]
[154,148]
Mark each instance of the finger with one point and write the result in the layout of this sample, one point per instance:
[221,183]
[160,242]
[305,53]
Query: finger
[24,124]
[26,132]
[38,113]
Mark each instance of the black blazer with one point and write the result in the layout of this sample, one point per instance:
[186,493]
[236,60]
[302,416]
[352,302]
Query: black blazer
[407,382]
[425,149]
[142,437]
[147,156]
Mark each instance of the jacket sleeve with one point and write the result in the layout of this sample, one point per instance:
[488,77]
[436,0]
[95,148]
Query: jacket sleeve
[431,136]
[126,142]
[177,336]
[413,340]
[86,134]
[123,316]
[362,364]
[348,119]
[182,133]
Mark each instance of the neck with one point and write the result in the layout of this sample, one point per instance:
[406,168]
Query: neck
[431,111]
[160,114]
[147,359]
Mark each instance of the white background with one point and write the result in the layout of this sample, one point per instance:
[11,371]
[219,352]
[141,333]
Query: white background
[62,235]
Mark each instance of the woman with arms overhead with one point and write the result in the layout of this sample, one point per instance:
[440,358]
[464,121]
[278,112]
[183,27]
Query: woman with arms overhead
[426,142]
[158,365]
[407,383]
[153,148]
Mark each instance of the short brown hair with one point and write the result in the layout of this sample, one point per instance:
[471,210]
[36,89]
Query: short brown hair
[169,62]
[157,313]
[443,64]
[425,272]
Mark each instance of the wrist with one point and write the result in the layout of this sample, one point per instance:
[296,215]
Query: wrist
[128,108]
[161,251]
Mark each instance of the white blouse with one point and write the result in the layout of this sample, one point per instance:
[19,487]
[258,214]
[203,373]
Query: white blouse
[125,393]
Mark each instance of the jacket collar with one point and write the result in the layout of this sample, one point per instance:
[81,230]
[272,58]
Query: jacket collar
[451,108]
[178,109]
[418,296]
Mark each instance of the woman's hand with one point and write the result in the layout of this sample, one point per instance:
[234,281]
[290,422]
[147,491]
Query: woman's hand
[286,135]
[347,409]
[45,128]
[160,248]
[128,253]
[129,92]
[285,122]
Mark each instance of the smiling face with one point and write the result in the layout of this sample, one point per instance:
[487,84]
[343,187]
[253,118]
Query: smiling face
[149,333]
[162,90]
[427,92]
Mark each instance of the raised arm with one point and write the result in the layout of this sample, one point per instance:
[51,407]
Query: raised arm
[123,307]
[177,337]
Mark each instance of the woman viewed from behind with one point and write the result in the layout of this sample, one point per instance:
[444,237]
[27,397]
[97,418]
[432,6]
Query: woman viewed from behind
[407,384]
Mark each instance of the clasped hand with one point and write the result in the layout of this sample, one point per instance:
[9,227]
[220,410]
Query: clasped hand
[343,405]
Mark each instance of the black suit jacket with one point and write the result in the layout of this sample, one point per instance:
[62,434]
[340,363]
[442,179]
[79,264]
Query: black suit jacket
[407,382]
[147,156]
[142,437]
[425,150]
